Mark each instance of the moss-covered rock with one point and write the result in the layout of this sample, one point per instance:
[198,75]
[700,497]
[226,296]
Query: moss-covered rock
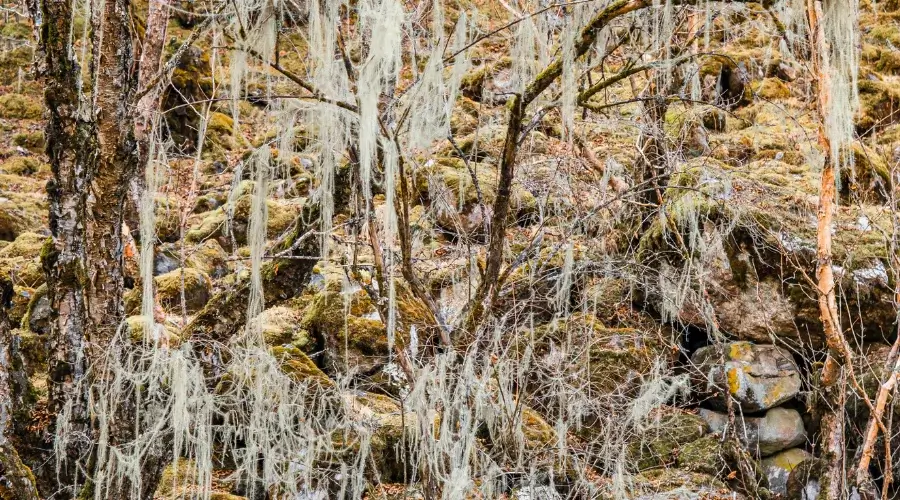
[703,455]
[163,333]
[37,313]
[296,364]
[25,245]
[20,213]
[15,63]
[537,433]
[197,289]
[281,215]
[660,443]
[878,97]
[282,325]
[22,165]
[771,89]
[616,358]
[20,106]
[181,480]
[668,483]
[210,258]
[33,141]
[752,229]
[23,271]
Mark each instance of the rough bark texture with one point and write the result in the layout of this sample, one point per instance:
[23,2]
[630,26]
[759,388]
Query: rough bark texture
[70,141]
[16,480]
[91,147]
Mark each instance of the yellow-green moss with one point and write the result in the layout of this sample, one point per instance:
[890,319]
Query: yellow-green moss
[19,106]
[661,443]
[702,455]
[281,215]
[25,245]
[30,140]
[771,88]
[14,62]
[22,165]
[197,289]
[297,364]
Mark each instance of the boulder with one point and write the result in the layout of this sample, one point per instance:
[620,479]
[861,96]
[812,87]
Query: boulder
[753,233]
[805,480]
[758,377]
[663,440]
[37,315]
[703,455]
[677,484]
[778,468]
[779,429]
[197,291]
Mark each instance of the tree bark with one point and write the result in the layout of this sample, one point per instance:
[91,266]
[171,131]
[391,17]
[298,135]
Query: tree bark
[16,480]
[833,378]
[93,156]
[70,141]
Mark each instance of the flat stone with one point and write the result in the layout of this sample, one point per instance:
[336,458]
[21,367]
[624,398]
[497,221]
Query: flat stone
[778,468]
[779,429]
[757,376]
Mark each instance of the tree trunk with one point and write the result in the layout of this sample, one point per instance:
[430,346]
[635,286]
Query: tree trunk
[93,156]
[71,152]
[16,480]
[833,378]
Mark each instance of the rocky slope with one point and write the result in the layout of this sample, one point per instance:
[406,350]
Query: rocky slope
[708,302]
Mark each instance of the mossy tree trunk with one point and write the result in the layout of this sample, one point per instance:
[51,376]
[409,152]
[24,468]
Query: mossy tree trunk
[93,157]
[71,152]
[16,480]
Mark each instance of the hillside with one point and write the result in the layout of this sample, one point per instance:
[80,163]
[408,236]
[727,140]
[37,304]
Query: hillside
[469,249]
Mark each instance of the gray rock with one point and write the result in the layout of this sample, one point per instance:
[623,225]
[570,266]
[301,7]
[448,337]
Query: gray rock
[164,263]
[778,468]
[39,317]
[779,429]
[758,377]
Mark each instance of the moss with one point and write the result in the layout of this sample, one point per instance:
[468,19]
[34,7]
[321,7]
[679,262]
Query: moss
[297,364]
[678,483]
[221,137]
[21,213]
[537,432]
[282,325]
[771,89]
[33,141]
[885,32]
[22,165]
[19,106]
[33,300]
[14,61]
[473,83]
[663,440]
[21,298]
[197,289]
[703,455]
[22,271]
[164,332]
[210,258]
[16,30]
[870,176]
[281,215]
[879,100]
[25,245]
